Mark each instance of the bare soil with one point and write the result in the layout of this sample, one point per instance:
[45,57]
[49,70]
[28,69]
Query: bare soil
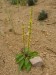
[43,36]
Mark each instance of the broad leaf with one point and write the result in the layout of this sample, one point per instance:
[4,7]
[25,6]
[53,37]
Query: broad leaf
[21,64]
[33,54]
[19,57]
[27,65]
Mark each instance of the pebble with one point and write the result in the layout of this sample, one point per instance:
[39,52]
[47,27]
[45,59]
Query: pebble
[36,61]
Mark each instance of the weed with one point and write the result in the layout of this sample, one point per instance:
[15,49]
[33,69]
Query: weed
[31,2]
[23,58]
[14,2]
[21,2]
[42,16]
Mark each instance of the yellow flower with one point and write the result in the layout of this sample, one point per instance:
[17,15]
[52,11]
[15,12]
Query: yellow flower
[29,29]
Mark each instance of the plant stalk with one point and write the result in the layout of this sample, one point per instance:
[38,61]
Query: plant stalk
[29,29]
[23,34]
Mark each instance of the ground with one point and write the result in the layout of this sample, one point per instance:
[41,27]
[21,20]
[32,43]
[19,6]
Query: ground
[43,37]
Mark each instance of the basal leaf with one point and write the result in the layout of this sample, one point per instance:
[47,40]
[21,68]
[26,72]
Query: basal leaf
[33,54]
[27,64]
[21,64]
[19,57]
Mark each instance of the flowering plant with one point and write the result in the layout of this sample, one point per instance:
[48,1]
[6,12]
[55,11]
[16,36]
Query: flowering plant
[23,58]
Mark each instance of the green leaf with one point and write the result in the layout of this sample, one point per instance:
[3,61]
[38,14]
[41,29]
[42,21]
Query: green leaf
[19,57]
[33,54]
[27,64]
[21,64]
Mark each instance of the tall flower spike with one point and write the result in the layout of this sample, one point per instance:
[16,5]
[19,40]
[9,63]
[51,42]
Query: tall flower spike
[23,34]
[29,29]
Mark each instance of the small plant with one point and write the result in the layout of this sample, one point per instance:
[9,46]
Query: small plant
[23,58]
[14,2]
[42,16]
[21,2]
[31,2]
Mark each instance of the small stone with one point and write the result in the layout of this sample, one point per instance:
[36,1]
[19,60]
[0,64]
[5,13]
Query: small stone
[36,61]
